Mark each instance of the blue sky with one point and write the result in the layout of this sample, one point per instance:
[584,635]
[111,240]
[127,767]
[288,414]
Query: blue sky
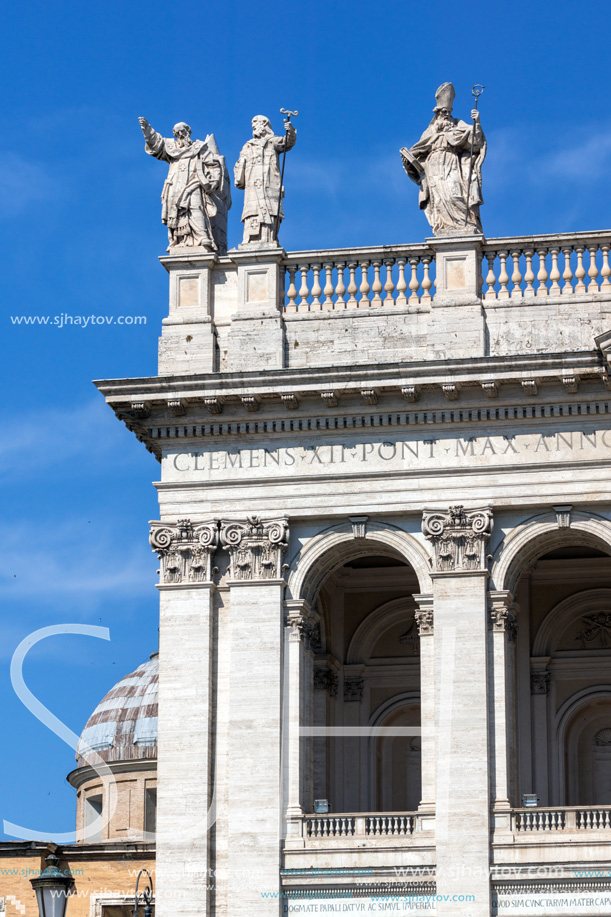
[81,232]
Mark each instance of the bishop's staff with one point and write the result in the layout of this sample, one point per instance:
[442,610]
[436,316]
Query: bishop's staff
[287,120]
[477,91]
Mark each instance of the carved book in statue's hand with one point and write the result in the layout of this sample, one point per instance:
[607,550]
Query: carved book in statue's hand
[412,166]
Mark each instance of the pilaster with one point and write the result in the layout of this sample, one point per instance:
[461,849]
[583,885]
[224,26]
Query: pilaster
[458,539]
[502,631]
[255,813]
[185,551]
[425,623]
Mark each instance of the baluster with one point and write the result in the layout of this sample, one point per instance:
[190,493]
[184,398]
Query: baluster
[389,287]
[516,276]
[364,287]
[329,289]
[316,305]
[291,293]
[503,276]
[414,283]
[340,289]
[427,283]
[567,274]
[554,273]
[580,271]
[593,270]
[304,290]
[402,283]
[542,275]
[376,287]
[490,276]
[606,269]
[529,276]
[352,287]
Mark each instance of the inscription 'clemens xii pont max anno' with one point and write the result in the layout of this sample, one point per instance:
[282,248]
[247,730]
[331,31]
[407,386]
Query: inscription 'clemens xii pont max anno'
[409,453]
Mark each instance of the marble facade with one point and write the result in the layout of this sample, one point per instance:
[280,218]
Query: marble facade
[385,539]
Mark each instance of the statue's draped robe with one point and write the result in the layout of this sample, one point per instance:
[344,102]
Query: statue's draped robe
[187,202]
[258,174]
[445,157]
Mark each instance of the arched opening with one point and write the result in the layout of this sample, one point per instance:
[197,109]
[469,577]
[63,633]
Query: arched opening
[367,686]
[562,584]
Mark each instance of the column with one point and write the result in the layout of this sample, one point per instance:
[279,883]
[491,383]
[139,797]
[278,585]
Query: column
[462,821]
[540,677]
[297,713]
[184,795]
[503,630]
[424,623]
[254,794]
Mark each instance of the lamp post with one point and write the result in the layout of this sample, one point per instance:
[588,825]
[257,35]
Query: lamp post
[52,888]
[147,895]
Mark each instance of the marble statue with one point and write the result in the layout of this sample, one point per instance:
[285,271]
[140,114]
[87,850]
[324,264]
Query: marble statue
[257,173]
[197,194]
[440,164]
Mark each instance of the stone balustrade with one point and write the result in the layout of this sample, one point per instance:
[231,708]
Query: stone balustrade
[512,268]
[359,278]
[565,818]
[393,824]
[568,264]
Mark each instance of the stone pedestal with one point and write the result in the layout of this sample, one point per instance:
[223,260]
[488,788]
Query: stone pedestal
[187,342]
[257,338]
[457,325]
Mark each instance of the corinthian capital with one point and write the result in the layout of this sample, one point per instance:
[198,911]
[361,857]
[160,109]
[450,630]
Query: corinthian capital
[458,537]
[185,550]
[502,614]
[255,547]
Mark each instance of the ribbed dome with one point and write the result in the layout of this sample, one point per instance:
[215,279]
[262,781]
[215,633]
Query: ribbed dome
[123,726]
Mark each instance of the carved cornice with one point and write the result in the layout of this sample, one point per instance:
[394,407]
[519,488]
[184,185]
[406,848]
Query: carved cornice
[185,550]
[255,548]
[458,538]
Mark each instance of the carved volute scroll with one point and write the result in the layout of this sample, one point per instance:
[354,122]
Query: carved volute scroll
[255,548]
[458,537]
[185,550]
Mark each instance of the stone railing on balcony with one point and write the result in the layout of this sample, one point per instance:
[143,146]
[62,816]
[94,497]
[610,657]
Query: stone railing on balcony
[362,828]
[359,278]
[568,264]
[448,298]
[526,822]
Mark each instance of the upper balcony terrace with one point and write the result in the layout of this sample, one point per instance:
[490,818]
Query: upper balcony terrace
[450,298]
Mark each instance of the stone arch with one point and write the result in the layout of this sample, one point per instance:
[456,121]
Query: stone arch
[565,718]
[561,615]
[375,624]
[523,546]
[332,548]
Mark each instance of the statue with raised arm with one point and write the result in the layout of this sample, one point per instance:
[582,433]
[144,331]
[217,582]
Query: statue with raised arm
[446,164]
[196,194]
[257,173]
